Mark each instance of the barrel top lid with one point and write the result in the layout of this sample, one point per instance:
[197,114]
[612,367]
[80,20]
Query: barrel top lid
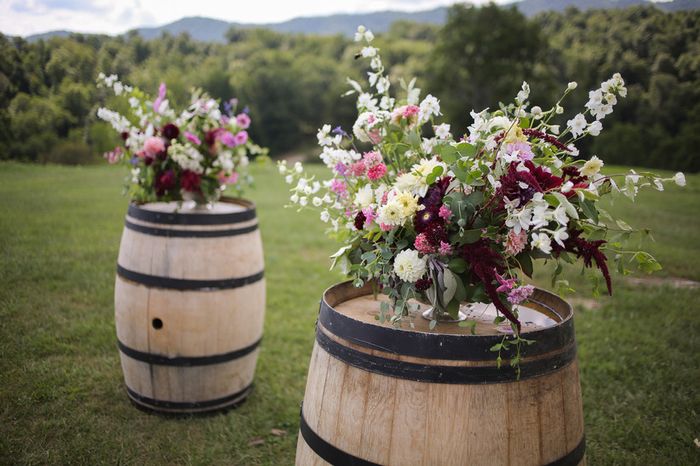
[533,316]
[177,207]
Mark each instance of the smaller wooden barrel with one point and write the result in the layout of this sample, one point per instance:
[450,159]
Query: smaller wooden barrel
[379,395]
[189,305]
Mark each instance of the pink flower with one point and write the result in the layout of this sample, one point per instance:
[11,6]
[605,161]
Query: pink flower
[153,146]
[226,138]
[192,138]
[422,244]
[243,120]
[445,249]
[515,242]
[406,112]
[520,294]
[231,179]
[161,97]
[505,285]
[444,213]
[241,138]
[370,215]
[523,148]
[372,158]
[358,168]
[114,156]
[376,172]
[339,187]
[341,169]
[385,227]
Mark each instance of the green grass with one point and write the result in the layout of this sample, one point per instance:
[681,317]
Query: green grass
[61,393]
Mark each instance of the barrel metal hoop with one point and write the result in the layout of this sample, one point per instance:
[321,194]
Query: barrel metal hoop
[464,375]
[165,404]
[328,452]
[438,346]
[186,361]
[338,457]
[187,284]
[180,218]
[188,233]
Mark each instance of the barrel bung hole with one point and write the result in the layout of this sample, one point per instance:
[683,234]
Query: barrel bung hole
[157,323]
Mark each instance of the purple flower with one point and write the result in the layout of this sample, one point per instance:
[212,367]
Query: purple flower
[341,169]
[243,120]
[339,130]
[246,110]
[192,138]
[161,97]
[520,294]
[227,138]
[240,138]
[134,160]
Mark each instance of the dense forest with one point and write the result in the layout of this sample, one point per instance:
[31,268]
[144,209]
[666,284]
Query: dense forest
[293,83]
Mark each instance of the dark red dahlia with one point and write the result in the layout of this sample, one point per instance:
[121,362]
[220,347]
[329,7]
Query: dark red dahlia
[544,178]
[436,232]
[170,131]
[433,197]
[165,181]
[424,283]
[360,219]
[189,181]
[589,251]
[124,135]
[424,218]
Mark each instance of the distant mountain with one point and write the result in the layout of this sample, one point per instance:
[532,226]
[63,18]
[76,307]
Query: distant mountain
[214,30]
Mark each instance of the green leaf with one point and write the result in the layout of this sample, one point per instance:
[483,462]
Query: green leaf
[496,347]
[457,265]
[448,154]
[525,262]
[470,236]
[589,210]
[466,150]
[646,262]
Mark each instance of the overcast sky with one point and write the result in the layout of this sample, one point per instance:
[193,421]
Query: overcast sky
[25,17]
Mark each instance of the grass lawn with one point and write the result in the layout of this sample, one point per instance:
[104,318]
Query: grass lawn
[61,393]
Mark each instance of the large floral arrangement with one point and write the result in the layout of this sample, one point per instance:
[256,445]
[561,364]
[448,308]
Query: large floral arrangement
[445,220]
[191,155]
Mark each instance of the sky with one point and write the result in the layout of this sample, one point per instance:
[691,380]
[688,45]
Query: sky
[26,17]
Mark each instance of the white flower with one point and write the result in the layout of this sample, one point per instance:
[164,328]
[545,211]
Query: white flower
[323,136]
[566,187]
[559,109]
[298,167]
[542,242]
[317,201]
[383,85]
[428,145]
[536,112]
[408,266]
[369,52]
[325,216]
[554,129]
[429,107]
[577,125]
[592,166]
[442,131]
[135,175]
[679,179]
[523,94]
[366,102]
[303,200]
[289,179]
[294,198]
[560,236]
[571,86]
[519,220]
[595,128]
[282,167]
[560,215]
[364,196]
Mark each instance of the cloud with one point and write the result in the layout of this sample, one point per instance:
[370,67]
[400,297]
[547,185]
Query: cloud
[40,7]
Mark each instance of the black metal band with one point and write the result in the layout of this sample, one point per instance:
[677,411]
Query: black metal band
[188,233]
[328,452]
[186,361]
[179,218]
[574,457]
[465,375]
[154,281]
[438,346]
[235,397]
[338,457]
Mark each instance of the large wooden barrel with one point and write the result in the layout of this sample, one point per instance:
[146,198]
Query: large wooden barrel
[379,395]
[189,305]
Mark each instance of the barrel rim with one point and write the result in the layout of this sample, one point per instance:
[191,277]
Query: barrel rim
[448,346]
[138,211]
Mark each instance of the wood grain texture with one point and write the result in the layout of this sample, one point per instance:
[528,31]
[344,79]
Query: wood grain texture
[190,324]
[393,421]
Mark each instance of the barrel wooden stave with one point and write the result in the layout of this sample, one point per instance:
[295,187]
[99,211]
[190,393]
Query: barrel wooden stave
[388,420]
[187,348]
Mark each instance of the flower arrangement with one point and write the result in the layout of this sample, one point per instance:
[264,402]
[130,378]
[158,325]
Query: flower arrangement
[191,155]
[445,221]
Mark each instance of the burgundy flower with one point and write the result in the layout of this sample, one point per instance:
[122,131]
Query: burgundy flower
[165,181]
[124,135]
[433,197]
[360,220]
[424,218]
[424,283]
[189,181]
[170,131]
[589,251]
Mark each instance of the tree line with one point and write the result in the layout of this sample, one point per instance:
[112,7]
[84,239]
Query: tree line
[292,84]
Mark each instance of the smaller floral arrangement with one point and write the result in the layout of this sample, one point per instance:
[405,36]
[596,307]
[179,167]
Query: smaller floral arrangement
[193,155]
[446,220]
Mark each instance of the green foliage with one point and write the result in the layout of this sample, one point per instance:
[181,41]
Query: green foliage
[293,83]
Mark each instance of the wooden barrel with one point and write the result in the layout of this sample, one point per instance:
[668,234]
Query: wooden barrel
[379,395]
[189,305]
